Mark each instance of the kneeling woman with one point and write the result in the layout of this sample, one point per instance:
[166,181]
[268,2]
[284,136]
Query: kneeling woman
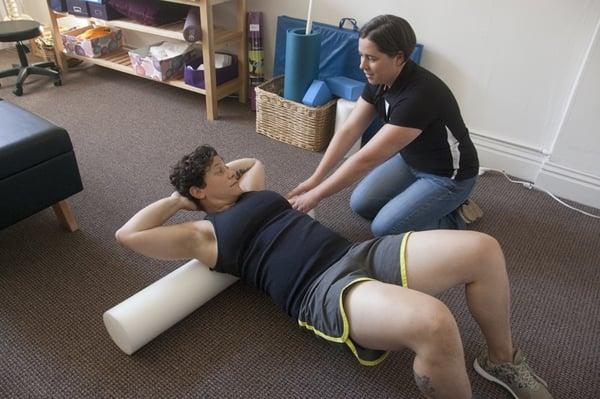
[372,297]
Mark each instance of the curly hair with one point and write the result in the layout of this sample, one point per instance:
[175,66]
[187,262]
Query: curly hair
[191,170]
[391,34]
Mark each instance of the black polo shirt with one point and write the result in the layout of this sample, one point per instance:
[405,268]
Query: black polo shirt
[419,99]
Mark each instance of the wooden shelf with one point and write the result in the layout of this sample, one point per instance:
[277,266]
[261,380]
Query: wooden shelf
[120,61]
[212,36]
[172,31]
[197,2]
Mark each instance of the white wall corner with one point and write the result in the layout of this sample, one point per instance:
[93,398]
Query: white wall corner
[517,160]
[570,184]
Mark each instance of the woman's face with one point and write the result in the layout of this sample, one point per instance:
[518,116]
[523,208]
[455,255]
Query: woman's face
[221,182]
[379,68]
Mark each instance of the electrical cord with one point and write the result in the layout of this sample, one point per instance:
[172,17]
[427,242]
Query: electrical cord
[529,186]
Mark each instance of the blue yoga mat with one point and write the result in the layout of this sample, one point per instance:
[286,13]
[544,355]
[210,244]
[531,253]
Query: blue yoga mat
[302,54]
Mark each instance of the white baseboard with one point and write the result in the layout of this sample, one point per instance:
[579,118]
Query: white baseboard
[517,160]
[570,184]
[532,165]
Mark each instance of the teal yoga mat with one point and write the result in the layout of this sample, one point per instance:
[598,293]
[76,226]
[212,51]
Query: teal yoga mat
[302,54]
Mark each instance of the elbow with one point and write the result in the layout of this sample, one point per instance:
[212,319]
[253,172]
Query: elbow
[361,163]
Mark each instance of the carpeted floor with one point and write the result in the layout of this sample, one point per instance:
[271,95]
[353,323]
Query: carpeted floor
[127,131]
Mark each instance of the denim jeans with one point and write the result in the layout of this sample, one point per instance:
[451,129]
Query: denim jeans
[398,198]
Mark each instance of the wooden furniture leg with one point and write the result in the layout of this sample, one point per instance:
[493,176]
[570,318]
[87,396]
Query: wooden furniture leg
[65,216]
[208,58]
[243,50]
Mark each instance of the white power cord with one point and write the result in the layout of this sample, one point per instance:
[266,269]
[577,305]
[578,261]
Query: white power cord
[529,185]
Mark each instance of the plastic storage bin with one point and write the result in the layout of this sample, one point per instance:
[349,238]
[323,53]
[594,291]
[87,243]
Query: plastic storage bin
[195,78]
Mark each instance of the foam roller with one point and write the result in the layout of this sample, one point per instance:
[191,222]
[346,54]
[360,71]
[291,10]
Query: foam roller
[142,317]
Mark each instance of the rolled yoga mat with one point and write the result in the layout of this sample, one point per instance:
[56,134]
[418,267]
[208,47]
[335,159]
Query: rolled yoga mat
[192,32]
[256,54]
[302,53]
[142,317]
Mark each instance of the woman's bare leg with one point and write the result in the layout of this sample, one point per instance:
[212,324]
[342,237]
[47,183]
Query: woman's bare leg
[440,259]
[390,317]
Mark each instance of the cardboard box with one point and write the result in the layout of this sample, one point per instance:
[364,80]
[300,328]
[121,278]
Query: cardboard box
[97,47]
[144,64]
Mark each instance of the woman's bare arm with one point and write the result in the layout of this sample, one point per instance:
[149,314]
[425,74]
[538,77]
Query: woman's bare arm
[251,173]
[146,234]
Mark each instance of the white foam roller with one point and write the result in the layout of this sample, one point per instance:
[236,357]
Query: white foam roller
[142,317]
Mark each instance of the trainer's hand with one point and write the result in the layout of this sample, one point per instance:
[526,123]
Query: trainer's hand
[184,203]
[305,202]
[303,187]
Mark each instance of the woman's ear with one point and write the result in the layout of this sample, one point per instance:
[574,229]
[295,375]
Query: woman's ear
[400,58]
[197,192]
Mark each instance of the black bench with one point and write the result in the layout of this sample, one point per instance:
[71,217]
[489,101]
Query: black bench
[38,168]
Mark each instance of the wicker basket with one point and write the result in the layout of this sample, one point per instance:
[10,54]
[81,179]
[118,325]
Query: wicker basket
[43,45]
[293,123]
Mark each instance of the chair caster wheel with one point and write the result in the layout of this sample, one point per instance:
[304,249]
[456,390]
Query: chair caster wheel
[18,91]
[58,82]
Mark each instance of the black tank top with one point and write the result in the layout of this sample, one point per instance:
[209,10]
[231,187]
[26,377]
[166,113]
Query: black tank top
[271,246]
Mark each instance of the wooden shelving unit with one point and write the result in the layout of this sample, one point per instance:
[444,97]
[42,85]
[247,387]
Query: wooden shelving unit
[211,37]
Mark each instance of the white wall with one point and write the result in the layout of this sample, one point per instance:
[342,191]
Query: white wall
[525,73]
[573,168]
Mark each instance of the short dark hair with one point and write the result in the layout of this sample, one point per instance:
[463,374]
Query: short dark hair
[391,34]
[191,171]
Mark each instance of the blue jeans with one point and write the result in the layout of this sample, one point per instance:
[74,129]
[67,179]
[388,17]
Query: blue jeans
[398,198]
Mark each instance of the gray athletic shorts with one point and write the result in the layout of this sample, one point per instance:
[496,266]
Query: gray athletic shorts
[322,308]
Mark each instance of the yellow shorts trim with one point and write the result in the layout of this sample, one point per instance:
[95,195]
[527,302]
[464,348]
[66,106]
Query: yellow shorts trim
[402,262]
[345,337]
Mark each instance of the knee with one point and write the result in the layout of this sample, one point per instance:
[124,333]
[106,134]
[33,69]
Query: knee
[487,250]
[380,229]
[385,224]
[436,328]
[360,204]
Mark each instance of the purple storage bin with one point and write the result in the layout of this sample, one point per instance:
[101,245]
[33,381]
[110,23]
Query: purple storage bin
[78,7]
[196,78]
[102,11]
[58,5]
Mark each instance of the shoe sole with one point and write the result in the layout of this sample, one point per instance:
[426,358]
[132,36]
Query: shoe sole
[471,212]
[490,377]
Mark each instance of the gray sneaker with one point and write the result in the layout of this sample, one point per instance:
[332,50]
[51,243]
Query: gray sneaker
[516,377]
[469,211]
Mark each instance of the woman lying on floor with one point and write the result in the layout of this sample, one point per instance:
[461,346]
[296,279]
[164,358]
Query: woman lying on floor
[373,297]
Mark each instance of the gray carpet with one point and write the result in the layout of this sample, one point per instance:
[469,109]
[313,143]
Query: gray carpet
[127,131]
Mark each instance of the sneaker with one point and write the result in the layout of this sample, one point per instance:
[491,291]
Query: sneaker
[516,377]
[469,211]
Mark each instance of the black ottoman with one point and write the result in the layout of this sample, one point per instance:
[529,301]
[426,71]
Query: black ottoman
[37,167]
